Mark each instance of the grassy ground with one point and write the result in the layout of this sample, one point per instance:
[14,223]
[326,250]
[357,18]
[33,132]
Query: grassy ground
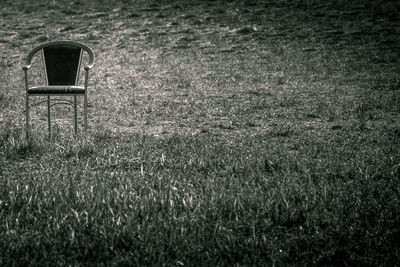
[221,133]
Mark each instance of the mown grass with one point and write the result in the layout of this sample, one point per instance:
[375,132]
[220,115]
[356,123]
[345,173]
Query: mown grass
[250,133]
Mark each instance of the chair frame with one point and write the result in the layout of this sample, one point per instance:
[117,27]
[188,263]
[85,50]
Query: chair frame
[66,89]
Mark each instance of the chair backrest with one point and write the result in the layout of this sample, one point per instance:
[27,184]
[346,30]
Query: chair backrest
[62,64]
[62,60]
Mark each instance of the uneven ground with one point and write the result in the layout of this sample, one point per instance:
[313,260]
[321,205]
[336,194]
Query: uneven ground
[221,132]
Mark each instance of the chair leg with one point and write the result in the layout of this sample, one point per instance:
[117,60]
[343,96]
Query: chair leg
[85,111]
[27,117]
[75,115]
[48,116]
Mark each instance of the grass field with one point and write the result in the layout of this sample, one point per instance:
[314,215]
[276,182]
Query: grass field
[220,133]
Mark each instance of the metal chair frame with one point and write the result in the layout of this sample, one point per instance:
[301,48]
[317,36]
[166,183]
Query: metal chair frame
[58,90]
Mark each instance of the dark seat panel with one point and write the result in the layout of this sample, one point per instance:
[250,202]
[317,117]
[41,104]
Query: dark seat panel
[54,90]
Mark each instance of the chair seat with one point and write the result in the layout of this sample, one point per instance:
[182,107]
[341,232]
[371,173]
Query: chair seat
[56,90]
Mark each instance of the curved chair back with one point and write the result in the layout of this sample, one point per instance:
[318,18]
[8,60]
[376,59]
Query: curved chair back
[62,60]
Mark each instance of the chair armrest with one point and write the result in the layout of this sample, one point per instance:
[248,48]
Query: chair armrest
[88,67]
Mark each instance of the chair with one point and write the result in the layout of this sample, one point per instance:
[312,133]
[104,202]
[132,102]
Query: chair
[62,62]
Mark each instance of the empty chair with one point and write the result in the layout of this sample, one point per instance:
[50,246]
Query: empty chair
[62,62]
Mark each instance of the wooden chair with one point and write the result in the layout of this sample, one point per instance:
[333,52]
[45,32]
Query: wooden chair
[62,62]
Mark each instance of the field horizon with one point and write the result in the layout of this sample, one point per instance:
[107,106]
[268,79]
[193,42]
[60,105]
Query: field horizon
[220,133]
